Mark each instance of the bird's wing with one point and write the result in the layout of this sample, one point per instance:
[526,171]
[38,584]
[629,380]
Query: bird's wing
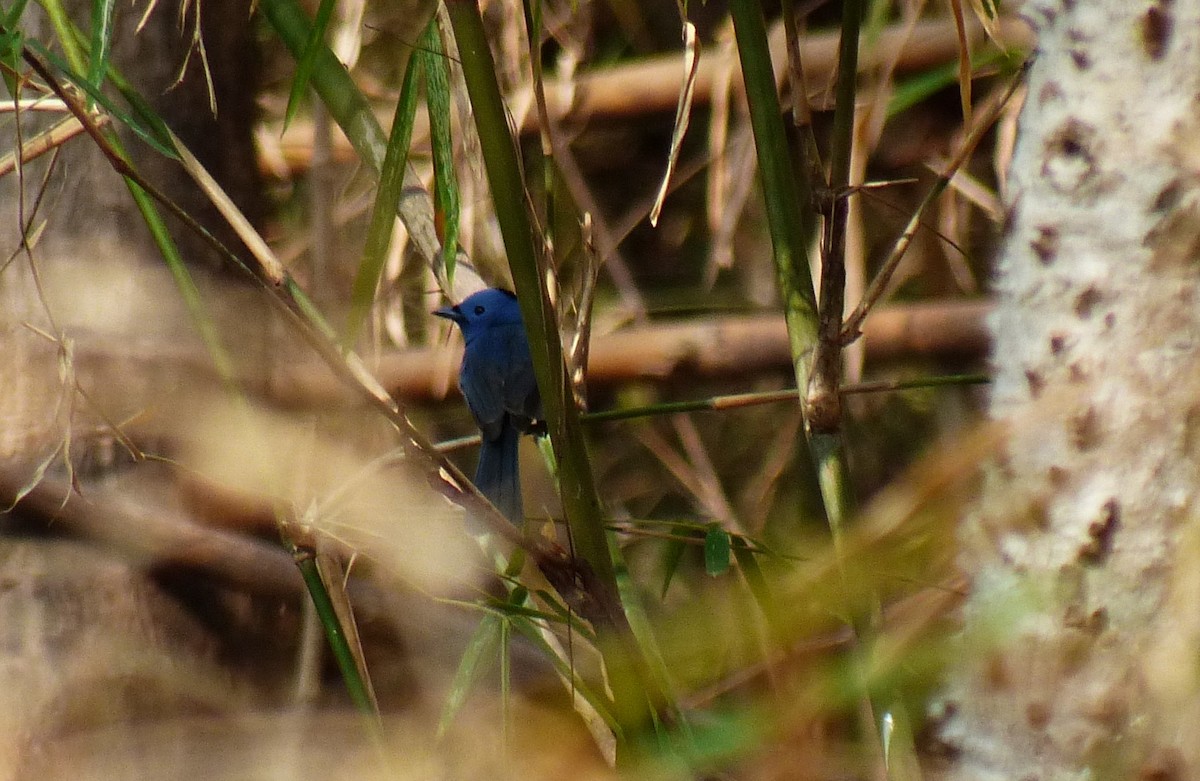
[521,397]
[482,383]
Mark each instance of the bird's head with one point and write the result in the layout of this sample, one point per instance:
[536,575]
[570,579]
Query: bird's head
[482,310]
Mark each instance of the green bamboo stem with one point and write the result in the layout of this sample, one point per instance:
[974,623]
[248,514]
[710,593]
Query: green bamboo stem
[357,687]
[814,335]
[784,194]
[738,401]
[581,504]
[822,399]
[783,191]
[507,183]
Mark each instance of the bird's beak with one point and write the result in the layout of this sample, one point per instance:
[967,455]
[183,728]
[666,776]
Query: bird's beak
[450,313]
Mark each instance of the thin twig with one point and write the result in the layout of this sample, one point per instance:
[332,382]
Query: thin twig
[810,153]
[852,329]
[741,400]
[33,104]
[54,136]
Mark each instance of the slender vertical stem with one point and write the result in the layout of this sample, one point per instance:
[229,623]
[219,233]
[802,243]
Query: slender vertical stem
[810,155]
[505,177]
[822,400]
[783,191]
[782,196]
[634,688]
[785,194]
[842,143]
[357,686]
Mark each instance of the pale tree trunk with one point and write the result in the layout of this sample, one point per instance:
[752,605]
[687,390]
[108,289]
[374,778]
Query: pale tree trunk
[1083,628]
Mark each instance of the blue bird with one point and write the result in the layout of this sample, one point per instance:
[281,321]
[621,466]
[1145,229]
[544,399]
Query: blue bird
[498,383]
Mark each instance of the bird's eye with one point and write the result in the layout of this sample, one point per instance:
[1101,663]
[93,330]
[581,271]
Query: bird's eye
[479,310]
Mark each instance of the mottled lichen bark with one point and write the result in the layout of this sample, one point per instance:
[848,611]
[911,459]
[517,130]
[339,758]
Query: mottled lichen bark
[1079,644]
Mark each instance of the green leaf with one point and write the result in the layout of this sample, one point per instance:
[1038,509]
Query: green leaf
[748,564]
[12,41]
[11,44]
[518,595]
[505,673]
[716,550]
[102,15]
[673,554]
[486,637]
[910,92]
[307,59]
[142,109]
[562,614]
[12,16]
[601,703]
[509,609]
[516,563]
[383,212]
[445,179]
[151,135]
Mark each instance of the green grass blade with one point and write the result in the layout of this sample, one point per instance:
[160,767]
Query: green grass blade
[445,179]
[560,614]
[11,43]
[672,556]
[912,91]
[307,60]
[69,36]
[359,689]
[350,110]
[148,132]
[603,705]
[470,667]
[505,676]
[102,16]
[9,18]
[346,104]
[513,607]
[155,130]
[755,579]
[64,28]
[192,298]
[658,688]
[383,212]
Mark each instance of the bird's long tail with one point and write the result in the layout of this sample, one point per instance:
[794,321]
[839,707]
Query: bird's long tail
[497,476]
